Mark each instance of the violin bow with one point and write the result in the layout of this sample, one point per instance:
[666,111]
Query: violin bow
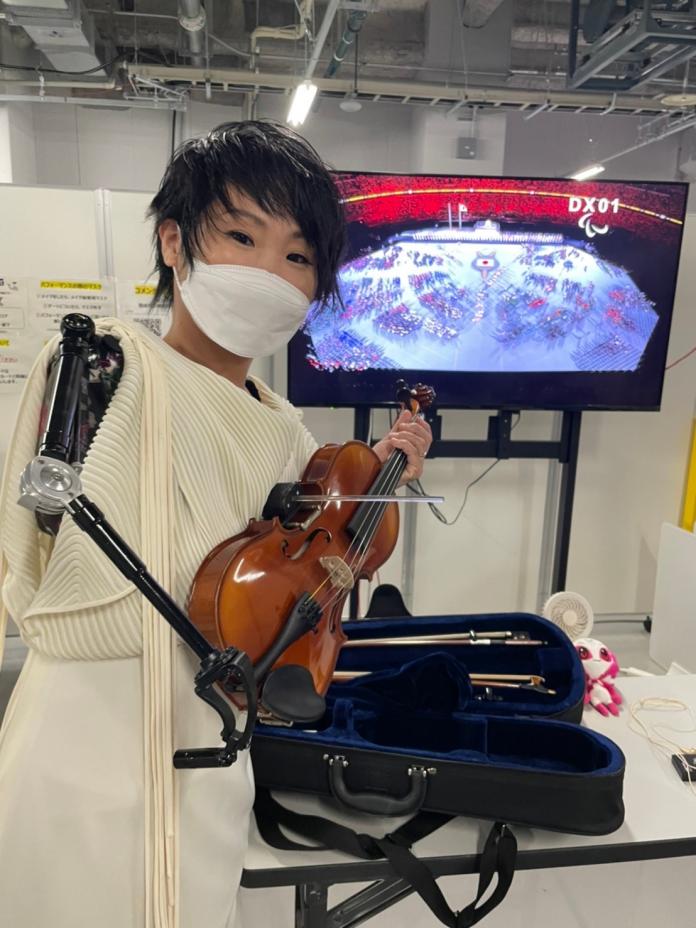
[529,682]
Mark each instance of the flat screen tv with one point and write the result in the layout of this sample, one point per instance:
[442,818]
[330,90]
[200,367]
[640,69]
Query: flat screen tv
[502,293]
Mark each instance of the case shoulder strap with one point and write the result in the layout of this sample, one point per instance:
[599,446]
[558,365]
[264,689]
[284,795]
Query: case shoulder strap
[497,859]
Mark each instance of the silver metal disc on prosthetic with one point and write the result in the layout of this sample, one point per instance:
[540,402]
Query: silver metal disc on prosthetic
[48,485]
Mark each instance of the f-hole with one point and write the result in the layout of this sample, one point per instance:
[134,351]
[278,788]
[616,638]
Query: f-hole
[304,547]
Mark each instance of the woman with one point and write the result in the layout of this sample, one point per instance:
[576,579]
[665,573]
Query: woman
[96,827]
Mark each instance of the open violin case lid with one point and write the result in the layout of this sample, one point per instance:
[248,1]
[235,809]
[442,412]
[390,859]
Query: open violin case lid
[418,733]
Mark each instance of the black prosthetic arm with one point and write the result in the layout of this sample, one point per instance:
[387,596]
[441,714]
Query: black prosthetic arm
[50,484]
[64,387]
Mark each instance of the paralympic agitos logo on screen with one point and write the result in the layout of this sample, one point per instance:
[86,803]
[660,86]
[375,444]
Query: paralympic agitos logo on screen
[590,208]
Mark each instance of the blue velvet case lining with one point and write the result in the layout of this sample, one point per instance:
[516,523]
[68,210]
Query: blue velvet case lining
[420,700]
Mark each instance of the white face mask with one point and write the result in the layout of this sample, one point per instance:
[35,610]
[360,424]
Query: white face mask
[247,311]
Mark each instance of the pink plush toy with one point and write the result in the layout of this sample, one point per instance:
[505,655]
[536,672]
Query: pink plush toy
[600,668]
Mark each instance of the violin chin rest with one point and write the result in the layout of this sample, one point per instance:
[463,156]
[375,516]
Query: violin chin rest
[290,695]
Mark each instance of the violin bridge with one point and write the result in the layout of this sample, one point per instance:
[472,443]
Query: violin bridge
[340,574]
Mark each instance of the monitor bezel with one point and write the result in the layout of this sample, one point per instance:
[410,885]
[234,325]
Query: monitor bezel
[444,381]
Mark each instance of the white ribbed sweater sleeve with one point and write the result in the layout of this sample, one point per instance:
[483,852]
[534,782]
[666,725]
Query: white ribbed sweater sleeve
[82,607]
[228,451]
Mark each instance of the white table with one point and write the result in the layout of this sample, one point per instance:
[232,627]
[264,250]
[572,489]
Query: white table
[660,823]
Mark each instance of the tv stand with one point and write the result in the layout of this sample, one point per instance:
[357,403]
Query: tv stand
[499,444]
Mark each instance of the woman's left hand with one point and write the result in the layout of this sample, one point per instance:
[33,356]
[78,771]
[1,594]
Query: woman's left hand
[413,437]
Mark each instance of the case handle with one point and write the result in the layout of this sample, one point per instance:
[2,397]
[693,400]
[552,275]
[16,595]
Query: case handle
[378,803]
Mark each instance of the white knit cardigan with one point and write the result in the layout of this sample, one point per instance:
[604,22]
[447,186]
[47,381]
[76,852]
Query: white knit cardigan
[173,493]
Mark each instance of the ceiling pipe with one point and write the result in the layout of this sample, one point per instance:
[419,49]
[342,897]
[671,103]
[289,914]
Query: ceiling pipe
[100,102]
[192,21]
[286,33]
[62,84]
[391,91]
[322,35]
[354,24]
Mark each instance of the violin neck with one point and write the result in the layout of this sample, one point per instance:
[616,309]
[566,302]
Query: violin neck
[368,515]
[393,469]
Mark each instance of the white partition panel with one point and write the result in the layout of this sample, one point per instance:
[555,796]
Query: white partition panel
[48,232]
[45,233]
[131,235]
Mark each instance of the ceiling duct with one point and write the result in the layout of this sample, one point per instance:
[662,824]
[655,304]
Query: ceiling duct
[192,21]
[450,46]
[415,93]
[476,13]
[292,33]
[354,23]
[62,30]
[641,46]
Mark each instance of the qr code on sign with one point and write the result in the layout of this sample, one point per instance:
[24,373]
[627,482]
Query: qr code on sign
[153,323]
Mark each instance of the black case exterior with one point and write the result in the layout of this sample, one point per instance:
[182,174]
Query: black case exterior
[515,761]
[573,803]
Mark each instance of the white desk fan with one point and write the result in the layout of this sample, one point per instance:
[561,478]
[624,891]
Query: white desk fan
[571,612]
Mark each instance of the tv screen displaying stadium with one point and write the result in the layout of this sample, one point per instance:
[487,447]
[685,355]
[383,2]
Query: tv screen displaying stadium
[499,292]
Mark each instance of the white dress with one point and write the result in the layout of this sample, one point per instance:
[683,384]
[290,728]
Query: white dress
[74,843]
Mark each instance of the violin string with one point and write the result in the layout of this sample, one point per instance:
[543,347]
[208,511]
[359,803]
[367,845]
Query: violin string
[378,509]
[372,518]
[358,550]
[376,513]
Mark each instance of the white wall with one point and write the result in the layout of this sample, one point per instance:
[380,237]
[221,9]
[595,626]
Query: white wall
[84,146]
[378,138]
[631,467]
[127,150]
[556,144]
[200,118]
[49,233]
[17,144]
[23,141]
[434,143]
[5,145]
[631,473]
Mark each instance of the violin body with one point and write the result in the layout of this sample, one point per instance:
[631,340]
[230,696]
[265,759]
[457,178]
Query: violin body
[246,588]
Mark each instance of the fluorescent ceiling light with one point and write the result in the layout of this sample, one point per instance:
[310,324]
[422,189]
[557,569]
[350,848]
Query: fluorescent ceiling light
[680,99]
[301,102]
[586,173]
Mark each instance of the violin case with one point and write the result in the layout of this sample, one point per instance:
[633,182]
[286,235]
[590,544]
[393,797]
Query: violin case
[415,736]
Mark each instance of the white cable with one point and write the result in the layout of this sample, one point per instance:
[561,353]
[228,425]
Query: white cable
[653,734]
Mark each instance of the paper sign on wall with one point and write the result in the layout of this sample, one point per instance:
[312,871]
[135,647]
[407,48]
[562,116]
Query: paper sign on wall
[19,343]
[30,314]
[50,300]
[31,311]
[134,305]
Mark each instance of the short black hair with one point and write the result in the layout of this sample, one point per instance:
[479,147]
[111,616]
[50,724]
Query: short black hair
[272,165]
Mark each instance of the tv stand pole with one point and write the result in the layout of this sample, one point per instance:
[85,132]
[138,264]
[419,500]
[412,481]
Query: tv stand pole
[499,444]
[568,457]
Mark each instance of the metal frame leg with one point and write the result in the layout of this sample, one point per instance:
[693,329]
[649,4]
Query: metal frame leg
[310,905]
[311,901]
[370,901]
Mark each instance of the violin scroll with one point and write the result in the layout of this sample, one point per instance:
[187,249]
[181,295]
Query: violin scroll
[415,399]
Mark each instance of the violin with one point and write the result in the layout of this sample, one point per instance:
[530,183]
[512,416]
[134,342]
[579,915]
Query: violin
[277,590]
